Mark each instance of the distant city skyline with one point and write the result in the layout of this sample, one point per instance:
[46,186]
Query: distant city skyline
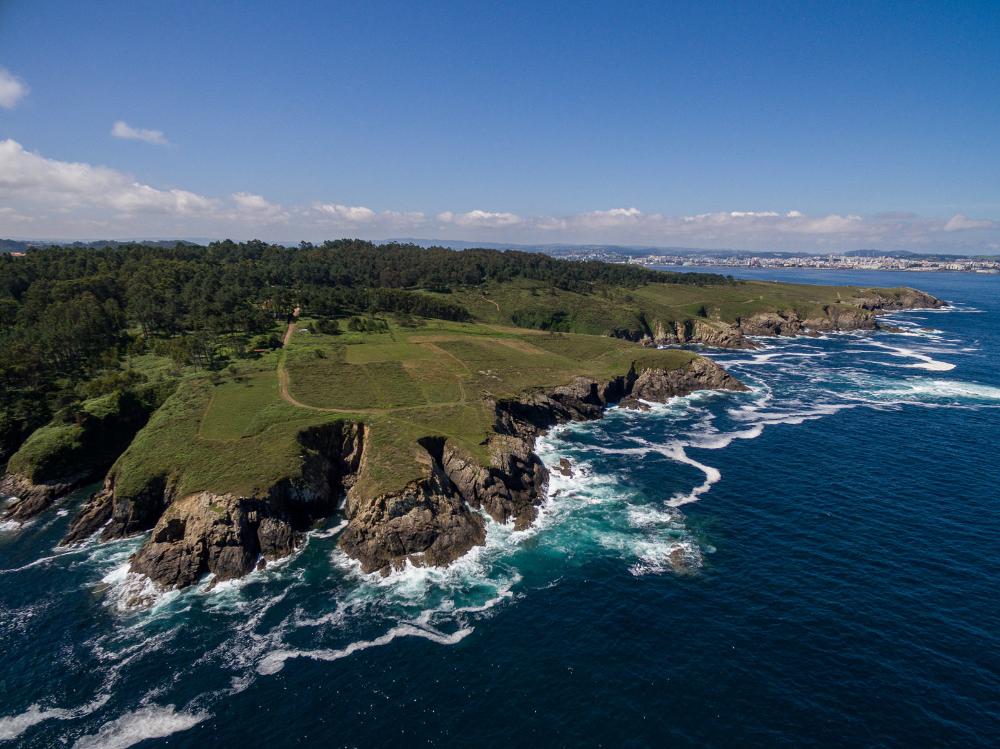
[759,128]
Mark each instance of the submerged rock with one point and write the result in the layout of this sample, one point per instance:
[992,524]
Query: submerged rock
[634,404]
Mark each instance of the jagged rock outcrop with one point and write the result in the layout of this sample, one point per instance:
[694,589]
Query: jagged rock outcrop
[119,514]
[430,521]
[699,331]
[659,385]
[221,534]
[426,522]
[904,298]
[634,404]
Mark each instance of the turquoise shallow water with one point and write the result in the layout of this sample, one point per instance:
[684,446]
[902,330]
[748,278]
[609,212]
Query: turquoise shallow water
[814,563]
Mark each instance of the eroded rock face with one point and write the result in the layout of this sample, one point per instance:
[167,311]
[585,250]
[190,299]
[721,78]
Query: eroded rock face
[426,523]
[71,463]
[224,535]
[117,514]
[659,385]
[698,331]
[434,521]
[904,298]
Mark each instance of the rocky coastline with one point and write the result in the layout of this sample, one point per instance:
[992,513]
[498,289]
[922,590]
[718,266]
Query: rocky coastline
[430,521]
[861,314]
[29,498]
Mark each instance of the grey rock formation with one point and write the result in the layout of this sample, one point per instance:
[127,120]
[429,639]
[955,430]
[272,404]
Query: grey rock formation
[29,498]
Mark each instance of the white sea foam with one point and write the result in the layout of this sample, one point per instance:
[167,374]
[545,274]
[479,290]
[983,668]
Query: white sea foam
[130,591]
[14,725]
[712,476]
[150,722]
[682,557]
[329,532]
[274,661]
[924,361]
[910,391]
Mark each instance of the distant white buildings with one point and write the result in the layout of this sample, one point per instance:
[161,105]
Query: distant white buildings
[825,262]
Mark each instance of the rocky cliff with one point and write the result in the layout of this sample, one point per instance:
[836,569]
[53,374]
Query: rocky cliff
[77,447]
[435,520]
[859,313]
[225,534]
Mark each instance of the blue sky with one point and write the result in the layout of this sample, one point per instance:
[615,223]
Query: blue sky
[817,126]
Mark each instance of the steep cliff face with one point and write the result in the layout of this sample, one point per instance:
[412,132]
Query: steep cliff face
[700,331]
[221,534]
[425,522]
[28,498]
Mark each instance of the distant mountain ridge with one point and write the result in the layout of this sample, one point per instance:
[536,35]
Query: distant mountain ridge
[554,249]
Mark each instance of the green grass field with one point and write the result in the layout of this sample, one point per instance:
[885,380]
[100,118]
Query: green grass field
[240,435]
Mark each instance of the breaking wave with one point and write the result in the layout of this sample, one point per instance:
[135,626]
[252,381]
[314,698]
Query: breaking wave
[134,727]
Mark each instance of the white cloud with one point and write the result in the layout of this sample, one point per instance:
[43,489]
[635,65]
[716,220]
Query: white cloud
[610,218]
[352,214]
[959,222]
[65,185]
[402,219]
[479,219]
[125,131]
[257,206]
[79,200]
[12,89]
[753,214]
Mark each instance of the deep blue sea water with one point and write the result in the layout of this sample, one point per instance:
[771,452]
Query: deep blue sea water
[812,564]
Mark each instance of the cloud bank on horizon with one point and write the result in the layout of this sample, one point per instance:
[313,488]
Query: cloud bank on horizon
[48,198]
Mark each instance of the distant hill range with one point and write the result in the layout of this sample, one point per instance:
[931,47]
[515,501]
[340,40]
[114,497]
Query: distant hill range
[596,251]
[23,245]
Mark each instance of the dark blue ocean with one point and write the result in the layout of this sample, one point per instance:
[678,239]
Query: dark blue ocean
[815,563]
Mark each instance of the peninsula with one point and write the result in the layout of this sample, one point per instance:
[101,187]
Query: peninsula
[230,396]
